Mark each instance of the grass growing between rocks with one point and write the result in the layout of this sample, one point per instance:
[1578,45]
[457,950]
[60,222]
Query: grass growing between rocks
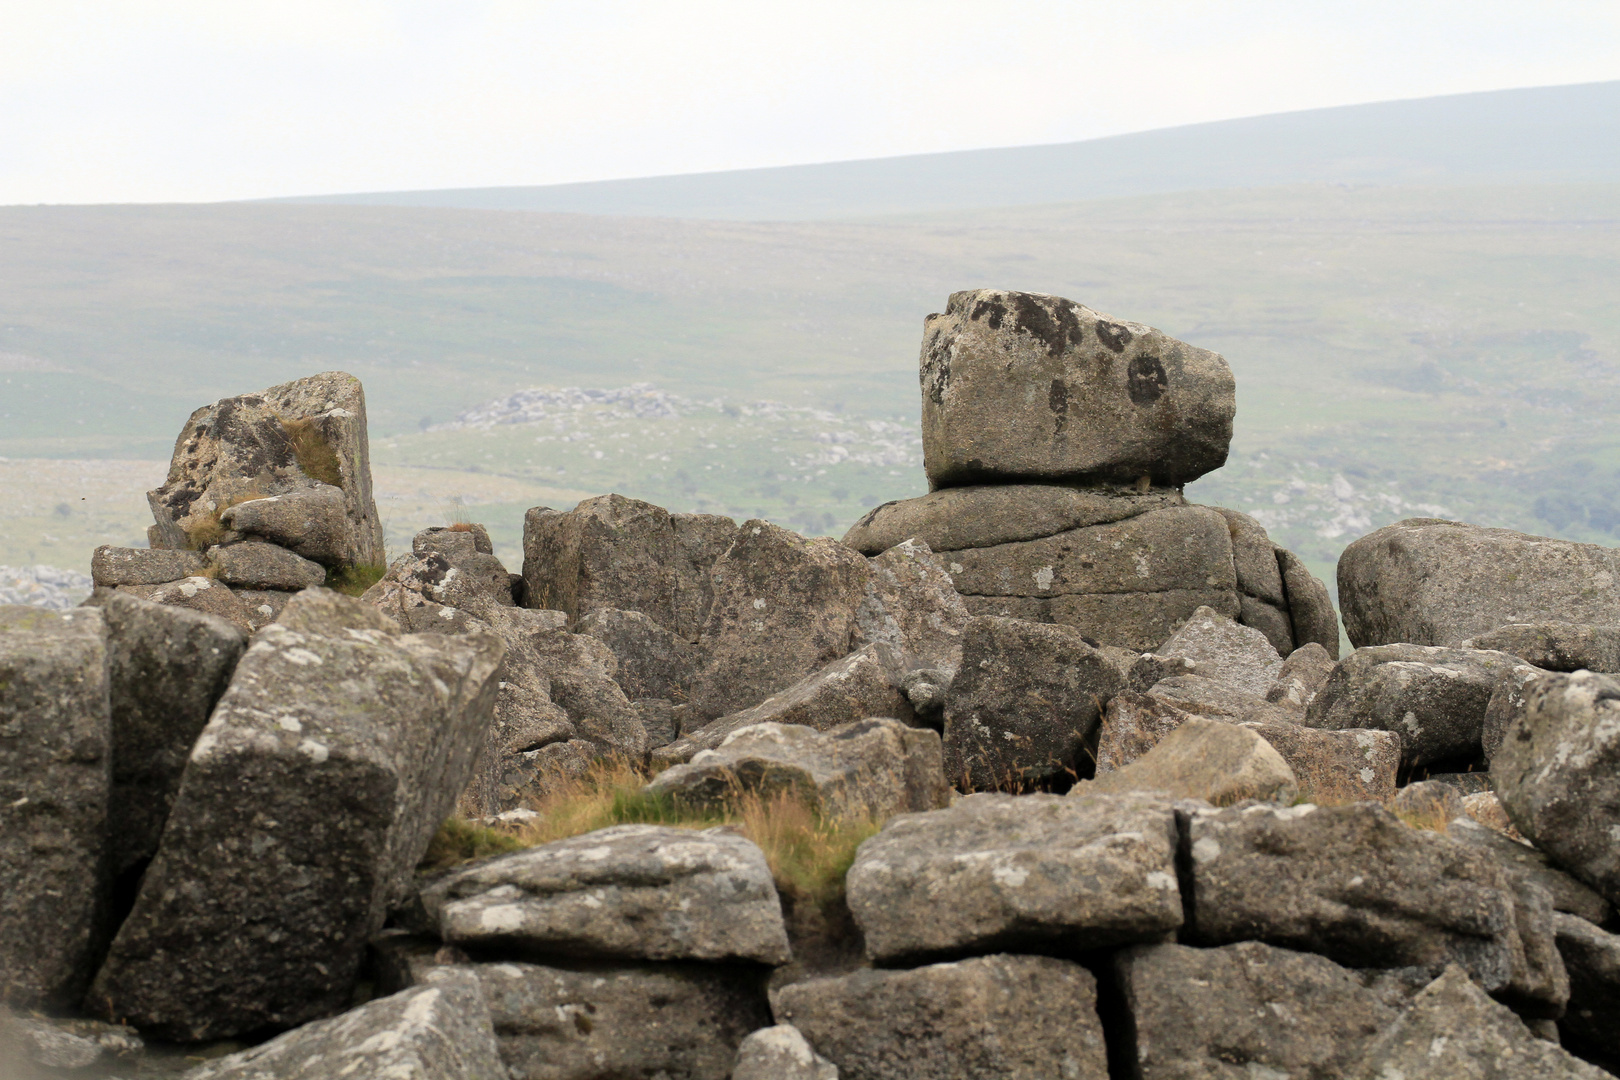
[354,580]
[314,454]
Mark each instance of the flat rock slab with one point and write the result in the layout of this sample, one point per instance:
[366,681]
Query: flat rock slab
[143,566]
[1558,775]
[1244,1011]
[780,1053]
[1010,1017]
[1334,767]
[327,766]
[640,892]
[1004,871]
[1217,762]
[1026,387]
[1431,582]
[1555,646]
[436,1032]
[871,769]
[204,594]
[1226,651]
[55,776]
[254,564]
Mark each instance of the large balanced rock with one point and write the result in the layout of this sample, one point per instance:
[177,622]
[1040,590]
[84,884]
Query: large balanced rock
[290,465]
[1011,1017]
[55,774]
[641,892]
[1430,582]
[1011,872]
[307,801]
[870,769]
[1023,386]
[1558,775]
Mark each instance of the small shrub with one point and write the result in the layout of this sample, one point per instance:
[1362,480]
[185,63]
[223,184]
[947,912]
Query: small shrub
[459,840]
[314,454]
[354,580]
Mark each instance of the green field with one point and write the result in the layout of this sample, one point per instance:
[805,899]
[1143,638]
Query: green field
[1398,350]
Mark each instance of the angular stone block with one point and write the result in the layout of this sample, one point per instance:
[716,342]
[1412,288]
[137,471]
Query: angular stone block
[1217,762]
[143,566]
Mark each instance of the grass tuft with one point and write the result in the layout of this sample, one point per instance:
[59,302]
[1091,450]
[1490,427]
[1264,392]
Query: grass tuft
[315,455]
[354,580]
[459,840]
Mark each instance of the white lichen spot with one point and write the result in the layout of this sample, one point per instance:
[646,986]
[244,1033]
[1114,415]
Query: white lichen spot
[1410,720]
[1367,776]
[957,568]
[595,854]
[1206,849]
[1158,879]
[1010,876]
[301,657]
[501,919]
[316,752]
[447,613]
[759,604]
[1043,578]
[1357,881]
[290,723]
[1437,1045]
[1143,570]
[263,609]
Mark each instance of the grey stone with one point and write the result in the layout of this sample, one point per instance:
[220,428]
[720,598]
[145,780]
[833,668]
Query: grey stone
[1452,1030]
[1217,762]
[434,535]
[1028,387]
[1221,649]
[1335,767]
[264,606]
[1485,808]
[700,540]
[1255,558]
[55,775]
[1136,621]
[912,606]
[1555,646]
[1010,1017]
[325,769]
[1269,620]
[1310,608]
[1213,698]
[445,572]
[986,515]
[1592,958]
[1026,699]
[1428,801]
[1351,883]
[1014,872]
[1431,582]
[253,564]
[1506,705]
[1150,668]
[640,892]
[202,594]
[780,1053]
[1434,698]
[441,1031]
[658,718]
[581,671]
[926,689]
[1245,1012]
[1133,724]
[143,566]
[863,684]
[871,769]
[468,553]
[66,1044]
[269,465]
[653,662]
[1558,775]
[1301,677]
[642,1021]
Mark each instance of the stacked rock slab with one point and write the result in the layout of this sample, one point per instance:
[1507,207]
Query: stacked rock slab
[1056,442]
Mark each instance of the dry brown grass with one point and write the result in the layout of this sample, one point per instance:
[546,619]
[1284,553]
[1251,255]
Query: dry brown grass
[315,455]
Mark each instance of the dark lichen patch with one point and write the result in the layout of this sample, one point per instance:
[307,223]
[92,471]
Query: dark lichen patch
[990,312]
[1057,399]
[1056,325]
[1146,379]
[1113,335]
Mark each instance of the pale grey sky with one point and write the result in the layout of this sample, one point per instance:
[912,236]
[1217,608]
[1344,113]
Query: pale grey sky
[191,100]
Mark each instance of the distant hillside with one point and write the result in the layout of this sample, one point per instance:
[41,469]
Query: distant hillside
[1549,134]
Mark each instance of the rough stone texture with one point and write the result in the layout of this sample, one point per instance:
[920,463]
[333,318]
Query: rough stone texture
[581,670]
[1454,1031]
[1558,775]
[1244,1012]
[1310,607]
[1428,801]
[1485,808]
[1351,883]
[55,773]
[1148,669]
[912,606]
[1434,698]
[1027,387]
[238,450]
[167,668]
[658,717]
[1301,677]
[1592,958]
[1555,646]
[198,594]
[1213,698]
[1221,649]
[640,892]
[468,552]
[1335,767]
[1009,1017]
[253,564]
[1255,557]
[872,768]
[1506,705]
[1132,621]
[1133,724]
[1024,702]
[863,684]
[264,606]
[1271,621]
[437,1032]
[653,663]
[143,566]
[1010,872]
[983,516]
[700,541]
[780,1053]
[65,1044]
[307,802]
[1204,759]
[784,606]
[640,1021]
[1432,582]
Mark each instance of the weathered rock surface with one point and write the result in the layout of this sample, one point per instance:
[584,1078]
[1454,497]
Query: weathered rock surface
[55,774]
[1452,1030]
[986,515]
[1133,724]
[437,1032]
[254,564]
[1351,883]
[872,768]
[1506,705]
[1024,387]
[780,1053]
[1434,698]
[1012,1017]
[653,662]
[325,769]
[1555,646]
[301,444]
[1335,767]
[784,606]
[66,1044]
[1592,958]
[1204,696]
[1224,650]
[1431,582]
[1026,698]
[1310,608]
[1218,762]
[143,566]
[1428,804]
[264,606]
[202,594]
[1558,775]
[1301,677]
[912,606]
[1008,872]
[641,892]
[1245,1011]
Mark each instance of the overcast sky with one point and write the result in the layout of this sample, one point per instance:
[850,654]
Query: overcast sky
[166,100]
